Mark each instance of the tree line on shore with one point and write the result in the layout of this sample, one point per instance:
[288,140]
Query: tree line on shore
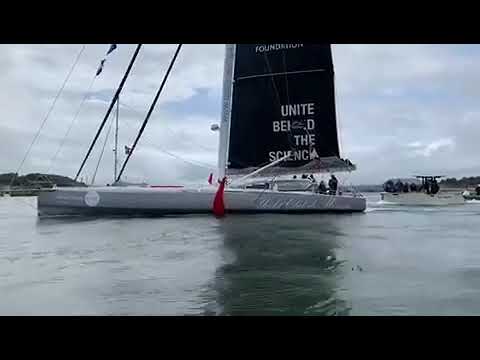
[36,180]
[470,181]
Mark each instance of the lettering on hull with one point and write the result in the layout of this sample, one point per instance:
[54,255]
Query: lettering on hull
[295,204]
[69,198]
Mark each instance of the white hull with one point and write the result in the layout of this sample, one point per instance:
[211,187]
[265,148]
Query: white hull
[423,199]
[157,201]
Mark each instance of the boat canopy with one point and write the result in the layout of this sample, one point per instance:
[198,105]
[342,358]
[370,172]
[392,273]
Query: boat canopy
[429,177]
[406,180]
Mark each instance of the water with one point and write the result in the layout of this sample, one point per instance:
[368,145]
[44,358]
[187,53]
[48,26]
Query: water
[388,261]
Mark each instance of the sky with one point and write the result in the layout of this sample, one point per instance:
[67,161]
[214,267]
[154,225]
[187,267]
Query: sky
[402,110]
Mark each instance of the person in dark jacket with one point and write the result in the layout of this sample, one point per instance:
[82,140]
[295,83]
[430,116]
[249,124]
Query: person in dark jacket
[389,186]
[413,187]
[333,184]
[427,186]
[398,186]
[434,188]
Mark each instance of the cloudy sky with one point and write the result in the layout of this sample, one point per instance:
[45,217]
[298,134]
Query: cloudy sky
[402,109]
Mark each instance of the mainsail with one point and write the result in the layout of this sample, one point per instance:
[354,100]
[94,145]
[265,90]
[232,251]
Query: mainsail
[282,102]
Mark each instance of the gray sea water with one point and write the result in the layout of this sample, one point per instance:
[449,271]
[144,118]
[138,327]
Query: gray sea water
[387,261]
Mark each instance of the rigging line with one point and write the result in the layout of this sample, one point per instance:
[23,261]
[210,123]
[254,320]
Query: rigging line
[273,81]
[192,162]
[87,94]
[103,150]
[199,164]
[115,159]
[277,93]
[152,107]
[52,106]
[279,74]
[115,97]
[167,128]
[241,163]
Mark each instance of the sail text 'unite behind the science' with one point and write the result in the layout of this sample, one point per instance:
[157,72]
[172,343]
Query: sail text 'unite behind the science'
[296,117]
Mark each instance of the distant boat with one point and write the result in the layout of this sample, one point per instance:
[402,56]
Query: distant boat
[422,192]
[278,119]
[467,195]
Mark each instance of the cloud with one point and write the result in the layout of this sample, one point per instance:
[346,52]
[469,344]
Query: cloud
[434,146]
[415,144]
[408,108]
[401,109]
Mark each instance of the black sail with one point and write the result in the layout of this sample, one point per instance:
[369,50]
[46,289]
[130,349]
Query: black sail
[283,101]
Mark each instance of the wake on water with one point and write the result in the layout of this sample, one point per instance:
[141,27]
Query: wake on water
[473,201]
[382,205]
[383,202]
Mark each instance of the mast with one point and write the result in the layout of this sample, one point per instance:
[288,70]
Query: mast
[116,141]
[152,107]
[228,71]
[115,97]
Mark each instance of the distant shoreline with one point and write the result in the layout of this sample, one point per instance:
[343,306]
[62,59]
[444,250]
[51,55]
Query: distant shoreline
[31,184]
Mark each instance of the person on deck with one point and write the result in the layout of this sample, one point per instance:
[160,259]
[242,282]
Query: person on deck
[405,187]
[413,187]
[427,186]
[434,187]
[398,186]
[389,186]
[477,189]
[333,184]
[322,188]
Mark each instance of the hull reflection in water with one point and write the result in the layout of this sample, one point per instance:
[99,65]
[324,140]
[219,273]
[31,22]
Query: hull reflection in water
[280,265]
